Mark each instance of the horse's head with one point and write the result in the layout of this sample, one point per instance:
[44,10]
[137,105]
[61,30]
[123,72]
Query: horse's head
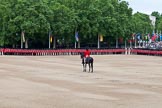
[81,55]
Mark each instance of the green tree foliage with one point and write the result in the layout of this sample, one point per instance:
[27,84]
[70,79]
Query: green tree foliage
[110,18]
[141,23]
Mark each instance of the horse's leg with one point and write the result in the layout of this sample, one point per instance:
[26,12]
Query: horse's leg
[89,66]
[85,66]
[92,66]
[83,62]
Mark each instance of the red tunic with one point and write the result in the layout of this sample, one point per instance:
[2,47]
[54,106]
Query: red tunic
[86,53]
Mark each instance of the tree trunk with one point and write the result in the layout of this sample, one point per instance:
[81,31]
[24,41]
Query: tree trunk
[54,42]
[26,43]
[125,43]
[116,42]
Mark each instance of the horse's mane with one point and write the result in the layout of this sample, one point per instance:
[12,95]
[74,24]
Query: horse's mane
[82,54]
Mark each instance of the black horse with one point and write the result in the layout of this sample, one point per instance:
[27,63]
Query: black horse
[85,61]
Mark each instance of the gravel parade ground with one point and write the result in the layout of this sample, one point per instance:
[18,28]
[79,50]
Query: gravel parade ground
[118,81]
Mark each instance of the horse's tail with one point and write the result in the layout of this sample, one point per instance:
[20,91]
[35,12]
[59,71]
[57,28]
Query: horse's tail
[92,64]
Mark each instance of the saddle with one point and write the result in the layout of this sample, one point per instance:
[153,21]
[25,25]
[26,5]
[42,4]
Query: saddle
[87,60]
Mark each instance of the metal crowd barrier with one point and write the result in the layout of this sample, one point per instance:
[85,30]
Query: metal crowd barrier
[56,52]
[146,52]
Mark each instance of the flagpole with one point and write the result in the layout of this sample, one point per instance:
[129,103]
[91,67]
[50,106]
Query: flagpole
[75,44]
[49,41]
[54,42]
[75,39]
[157,35]
[139,43]
[160,36]
[26,43]
[98,41]
[135,43]
[130,43]
[21,39]
[143,43]
[79,44]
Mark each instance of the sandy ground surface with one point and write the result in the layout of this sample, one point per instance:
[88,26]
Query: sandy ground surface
[118,81]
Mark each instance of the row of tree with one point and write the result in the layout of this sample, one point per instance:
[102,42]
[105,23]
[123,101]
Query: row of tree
[37,19]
